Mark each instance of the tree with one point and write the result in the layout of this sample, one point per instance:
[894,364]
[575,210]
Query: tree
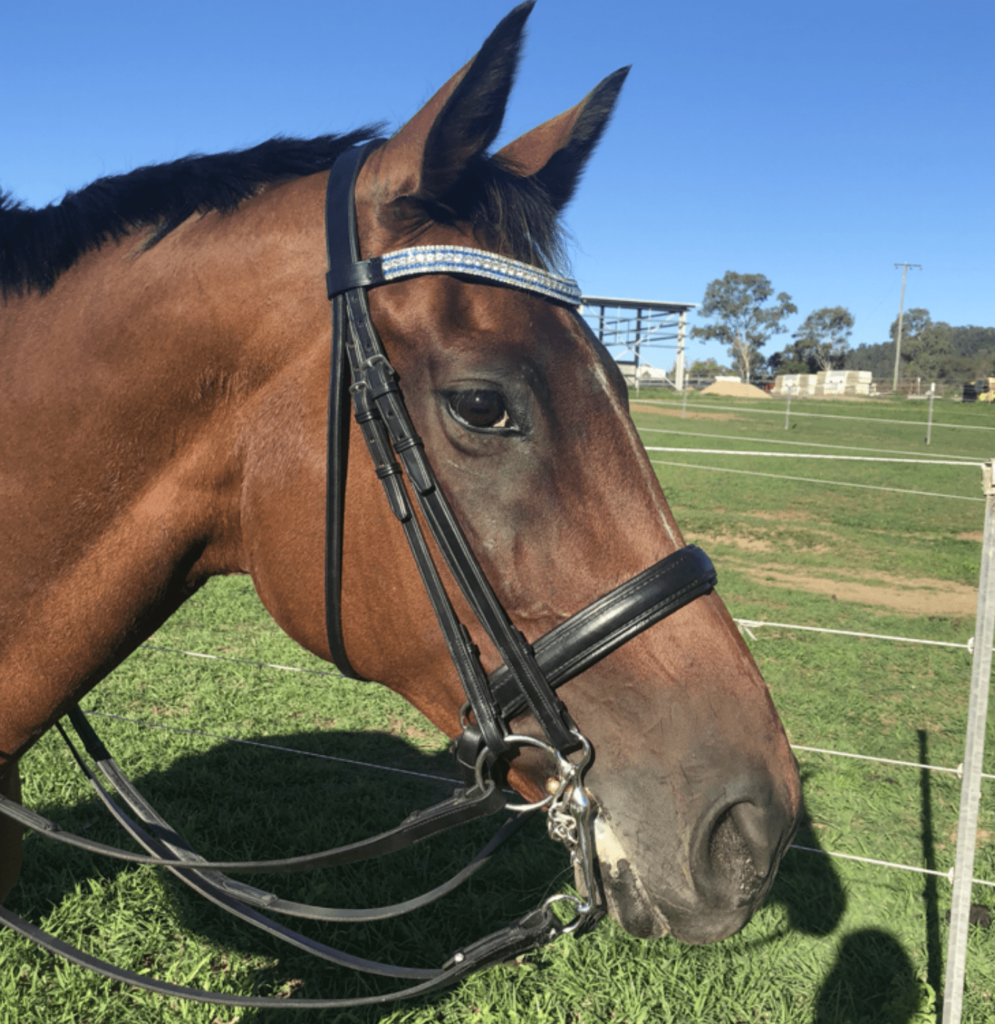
[743,324]
[971,352]
[707,368]
[823,339]
[926,346]
[788,361]
[913,321]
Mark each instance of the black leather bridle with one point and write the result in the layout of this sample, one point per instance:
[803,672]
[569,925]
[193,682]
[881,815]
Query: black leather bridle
[529,675]
[526,680]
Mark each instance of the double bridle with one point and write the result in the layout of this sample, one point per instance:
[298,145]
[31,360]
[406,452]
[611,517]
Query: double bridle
[525,681]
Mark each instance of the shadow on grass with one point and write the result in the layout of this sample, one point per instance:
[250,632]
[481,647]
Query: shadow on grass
[238,801]
[934,954]
[808,885]
[872,982]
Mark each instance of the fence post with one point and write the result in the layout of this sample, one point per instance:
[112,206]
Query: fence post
[970,792]
[929,424]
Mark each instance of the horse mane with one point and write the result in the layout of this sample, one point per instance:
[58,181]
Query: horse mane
[36,246]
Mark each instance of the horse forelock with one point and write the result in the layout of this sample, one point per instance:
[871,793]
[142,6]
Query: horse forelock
[509,213]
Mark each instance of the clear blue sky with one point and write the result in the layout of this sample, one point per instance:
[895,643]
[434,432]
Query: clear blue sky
[817,143]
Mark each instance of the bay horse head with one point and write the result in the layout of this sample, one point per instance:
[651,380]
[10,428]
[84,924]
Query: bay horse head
[165,340]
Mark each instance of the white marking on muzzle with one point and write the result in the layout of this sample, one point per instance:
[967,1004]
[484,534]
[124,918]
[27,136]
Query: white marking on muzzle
[611,856]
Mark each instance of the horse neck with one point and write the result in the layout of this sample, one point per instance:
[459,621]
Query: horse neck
[138,388]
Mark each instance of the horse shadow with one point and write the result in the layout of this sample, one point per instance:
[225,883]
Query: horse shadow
[290,794]
[872,980]
[809,887]
[240,801]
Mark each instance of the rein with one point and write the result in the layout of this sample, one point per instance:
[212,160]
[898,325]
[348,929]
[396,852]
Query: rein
[526,681]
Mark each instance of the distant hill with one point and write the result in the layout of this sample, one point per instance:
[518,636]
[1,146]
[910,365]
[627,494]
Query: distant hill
[964,353]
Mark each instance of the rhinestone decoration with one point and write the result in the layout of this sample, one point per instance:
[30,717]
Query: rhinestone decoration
[457,259]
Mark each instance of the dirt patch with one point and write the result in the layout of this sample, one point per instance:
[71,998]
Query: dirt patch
[982,838]
[911,596]
[976,535]
[760,544]
[691,414]
[786,516]
[755,544]
[734,389]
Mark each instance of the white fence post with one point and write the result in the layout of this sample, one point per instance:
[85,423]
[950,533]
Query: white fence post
[970,793]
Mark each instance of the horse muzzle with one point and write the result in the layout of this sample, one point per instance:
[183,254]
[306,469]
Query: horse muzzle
[699,882]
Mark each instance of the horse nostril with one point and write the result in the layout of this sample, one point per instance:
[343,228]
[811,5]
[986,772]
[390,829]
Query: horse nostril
[728,851]
[753,826]
[741,850]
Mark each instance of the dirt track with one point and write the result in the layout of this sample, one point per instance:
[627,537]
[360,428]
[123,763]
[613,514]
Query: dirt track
[914,597]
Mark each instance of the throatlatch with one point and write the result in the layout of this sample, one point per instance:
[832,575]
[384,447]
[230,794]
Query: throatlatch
[525,681]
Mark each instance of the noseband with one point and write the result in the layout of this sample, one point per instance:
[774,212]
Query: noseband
[525,681]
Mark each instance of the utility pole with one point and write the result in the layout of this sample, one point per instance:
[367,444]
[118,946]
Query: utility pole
[901,311]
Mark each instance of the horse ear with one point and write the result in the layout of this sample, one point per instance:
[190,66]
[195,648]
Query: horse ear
[555,153]
[427,156]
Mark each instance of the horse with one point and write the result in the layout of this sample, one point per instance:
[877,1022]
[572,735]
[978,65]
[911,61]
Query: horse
[165,403]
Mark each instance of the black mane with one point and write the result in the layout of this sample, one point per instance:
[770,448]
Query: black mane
[36,246]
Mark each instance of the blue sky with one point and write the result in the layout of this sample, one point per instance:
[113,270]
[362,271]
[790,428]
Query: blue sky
[817,143]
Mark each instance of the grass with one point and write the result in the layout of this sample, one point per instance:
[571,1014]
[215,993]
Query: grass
[838,942]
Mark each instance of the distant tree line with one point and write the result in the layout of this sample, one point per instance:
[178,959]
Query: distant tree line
[933,351]
[744,314]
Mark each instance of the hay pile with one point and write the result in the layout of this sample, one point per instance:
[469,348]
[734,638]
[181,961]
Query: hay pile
[734,389]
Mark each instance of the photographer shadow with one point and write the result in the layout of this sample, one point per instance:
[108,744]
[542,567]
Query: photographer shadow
[872,980]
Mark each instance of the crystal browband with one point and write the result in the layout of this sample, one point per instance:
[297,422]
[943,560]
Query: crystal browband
[458,259]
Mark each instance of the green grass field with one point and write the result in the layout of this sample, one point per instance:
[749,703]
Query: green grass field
[838,942]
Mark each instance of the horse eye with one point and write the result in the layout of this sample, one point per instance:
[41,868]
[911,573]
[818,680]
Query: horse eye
[482,409]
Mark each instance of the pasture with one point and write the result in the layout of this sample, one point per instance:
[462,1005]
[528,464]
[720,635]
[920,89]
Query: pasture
[251,760]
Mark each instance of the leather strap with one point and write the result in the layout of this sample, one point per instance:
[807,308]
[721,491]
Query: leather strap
[460,809]
[177,856]
[533,930]
[379,406]
[602,627]
[338,196]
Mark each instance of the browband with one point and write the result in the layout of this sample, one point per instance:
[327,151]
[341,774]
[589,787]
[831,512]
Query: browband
[452,259]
